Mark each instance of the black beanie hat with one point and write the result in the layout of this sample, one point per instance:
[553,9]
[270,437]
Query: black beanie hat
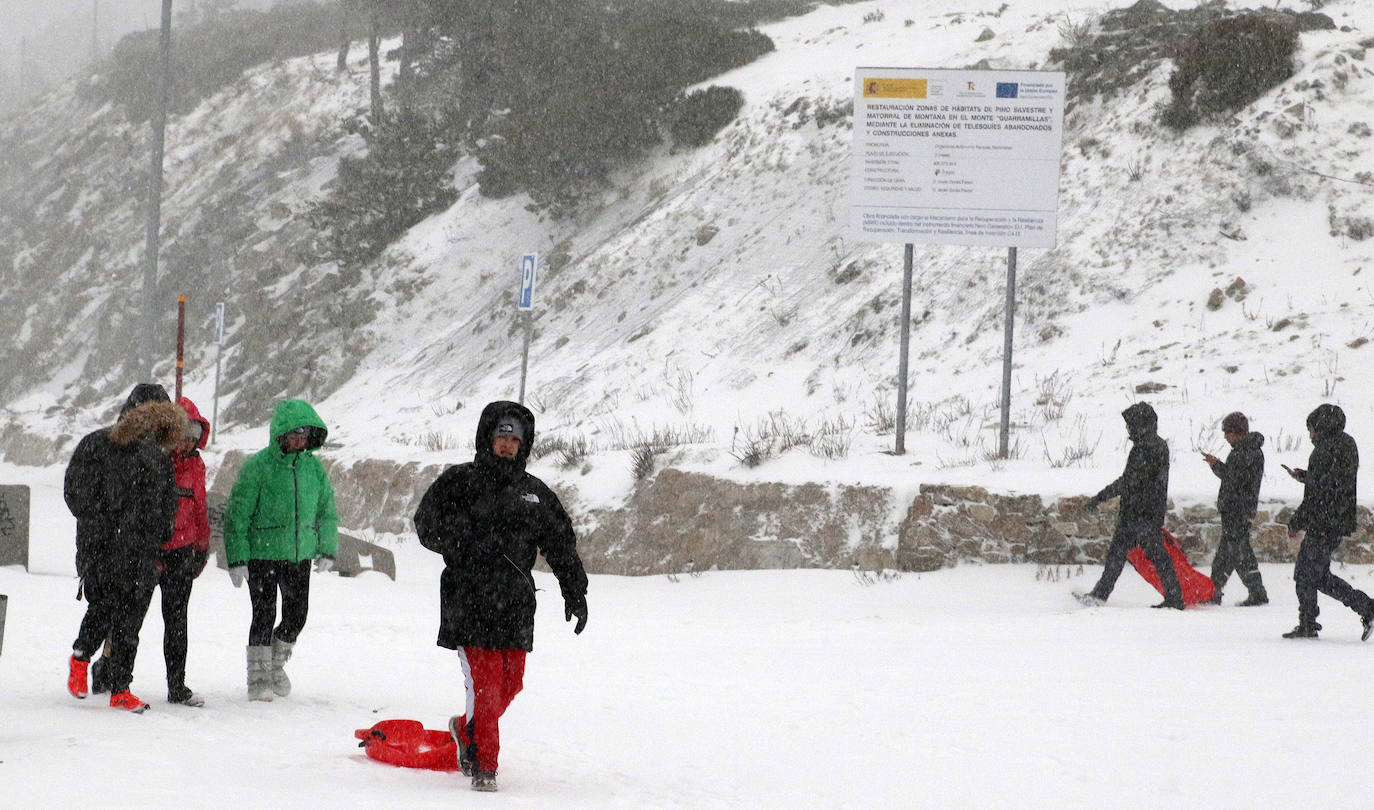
[510,425]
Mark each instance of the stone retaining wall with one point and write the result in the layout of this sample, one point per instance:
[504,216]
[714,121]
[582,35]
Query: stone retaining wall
[945,524]
[679,518]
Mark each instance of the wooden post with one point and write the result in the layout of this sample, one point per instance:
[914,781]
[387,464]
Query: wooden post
[181,340]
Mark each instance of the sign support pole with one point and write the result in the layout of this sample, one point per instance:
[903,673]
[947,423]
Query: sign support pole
[525,355]
[219,356]
[1003,434]
[900,429]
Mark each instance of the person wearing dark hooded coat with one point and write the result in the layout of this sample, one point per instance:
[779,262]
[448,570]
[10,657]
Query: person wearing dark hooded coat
[1143,487]
[1237,501]
[1325,516]
[489,518]
[180,560]
[120,485]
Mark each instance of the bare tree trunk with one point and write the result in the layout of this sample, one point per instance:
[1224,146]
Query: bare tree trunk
[374,64]
[341,64]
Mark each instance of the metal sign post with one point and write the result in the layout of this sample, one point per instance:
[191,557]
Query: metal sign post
[900,429]
[1005,431]
[524,302]
[219,356]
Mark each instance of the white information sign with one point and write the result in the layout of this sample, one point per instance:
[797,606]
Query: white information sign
[956,157]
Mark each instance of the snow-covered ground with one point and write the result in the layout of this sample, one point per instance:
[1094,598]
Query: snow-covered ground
[976,687]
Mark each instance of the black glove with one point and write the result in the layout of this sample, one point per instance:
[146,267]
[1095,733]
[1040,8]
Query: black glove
[575,606]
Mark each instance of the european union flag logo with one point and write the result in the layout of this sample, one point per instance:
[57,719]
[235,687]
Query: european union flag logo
[1006,89]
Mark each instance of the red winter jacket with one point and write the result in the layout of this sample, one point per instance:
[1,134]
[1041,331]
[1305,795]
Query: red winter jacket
[192,527]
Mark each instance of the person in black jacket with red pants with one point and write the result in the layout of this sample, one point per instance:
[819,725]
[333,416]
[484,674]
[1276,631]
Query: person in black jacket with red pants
[1143,487]
[1325,516]
[489,519]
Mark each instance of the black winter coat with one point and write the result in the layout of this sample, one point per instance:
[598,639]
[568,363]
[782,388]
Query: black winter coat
[489,518]
[1144,484]
[1241,474]
[85,484]
[121,487]
[1328,495]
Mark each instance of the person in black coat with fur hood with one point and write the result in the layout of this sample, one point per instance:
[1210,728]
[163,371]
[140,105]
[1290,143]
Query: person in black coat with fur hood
[121,487]
[1237,501]
[489,518]
[1143,488]
[1325,516]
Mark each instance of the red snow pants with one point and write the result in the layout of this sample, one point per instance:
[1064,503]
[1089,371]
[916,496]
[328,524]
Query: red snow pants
[494,678]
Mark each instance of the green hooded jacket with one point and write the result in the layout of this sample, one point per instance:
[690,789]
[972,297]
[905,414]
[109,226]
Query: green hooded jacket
[282,505]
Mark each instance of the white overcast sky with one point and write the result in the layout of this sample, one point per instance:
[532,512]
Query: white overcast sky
[59,31]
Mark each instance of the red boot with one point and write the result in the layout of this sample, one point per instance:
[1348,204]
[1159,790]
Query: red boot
[76,678]
[127,700]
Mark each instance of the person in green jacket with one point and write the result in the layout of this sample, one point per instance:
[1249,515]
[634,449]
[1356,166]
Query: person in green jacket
[279,520]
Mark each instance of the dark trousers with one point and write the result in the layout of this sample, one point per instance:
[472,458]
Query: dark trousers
[1235,554]
[1312,575]
[265,579]
[1127,536]
[116,605]
[179,569]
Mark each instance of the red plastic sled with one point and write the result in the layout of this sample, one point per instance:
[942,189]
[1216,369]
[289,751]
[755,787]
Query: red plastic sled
[1196,586]
[408,744]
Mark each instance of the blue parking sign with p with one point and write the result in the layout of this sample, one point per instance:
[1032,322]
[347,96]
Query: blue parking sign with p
[528,263]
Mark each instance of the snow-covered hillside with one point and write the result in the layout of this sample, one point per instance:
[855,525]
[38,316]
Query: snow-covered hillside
[716,294]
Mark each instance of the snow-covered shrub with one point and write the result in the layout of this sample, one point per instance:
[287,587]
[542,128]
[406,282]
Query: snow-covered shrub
[699,115]
[405,176]
[1228,63]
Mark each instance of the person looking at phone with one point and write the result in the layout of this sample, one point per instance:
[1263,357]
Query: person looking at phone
[1237,501]
[1325,516]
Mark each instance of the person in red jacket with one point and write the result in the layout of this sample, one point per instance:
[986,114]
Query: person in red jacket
[181,559]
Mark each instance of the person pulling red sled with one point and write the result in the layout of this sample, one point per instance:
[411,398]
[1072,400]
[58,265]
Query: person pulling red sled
[1143,489]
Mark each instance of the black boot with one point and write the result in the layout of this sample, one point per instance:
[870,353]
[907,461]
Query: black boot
[100,679]
[1176,604]
[484,781]
[1303,631]
[458,728]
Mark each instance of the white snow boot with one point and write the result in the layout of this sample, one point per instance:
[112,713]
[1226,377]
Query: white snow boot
[281,653]
[260,673]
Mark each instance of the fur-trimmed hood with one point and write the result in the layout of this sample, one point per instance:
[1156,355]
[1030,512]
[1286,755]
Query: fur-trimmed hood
[164,421]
